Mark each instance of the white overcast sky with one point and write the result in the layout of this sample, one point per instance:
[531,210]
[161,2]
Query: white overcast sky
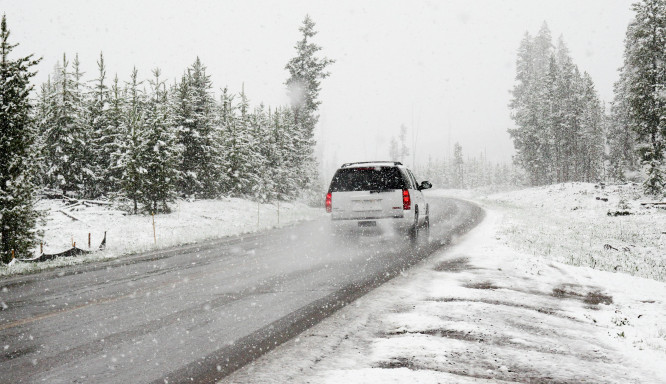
[444,68]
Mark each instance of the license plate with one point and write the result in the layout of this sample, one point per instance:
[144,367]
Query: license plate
[366,205]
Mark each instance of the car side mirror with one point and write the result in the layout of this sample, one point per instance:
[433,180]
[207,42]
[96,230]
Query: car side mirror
[425,185]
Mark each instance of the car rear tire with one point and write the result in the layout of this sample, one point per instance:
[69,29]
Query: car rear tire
[414,231]
[425,232]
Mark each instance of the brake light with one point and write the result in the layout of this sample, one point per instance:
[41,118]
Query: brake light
[406,200]
[329,205]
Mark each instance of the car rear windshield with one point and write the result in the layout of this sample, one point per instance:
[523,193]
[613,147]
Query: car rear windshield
[367,179]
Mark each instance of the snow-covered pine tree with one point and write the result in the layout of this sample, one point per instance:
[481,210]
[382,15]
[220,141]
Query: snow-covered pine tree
[286,139]
[47,111]
[116,134]
[102,135]
[541,104]
[275,155]
[471,172]
[403,150]
[43,116]
[182,114]
[268,180]
[227,121]
[591,147]
[62,138]
[552,126]
[643,77]
[160,154]
[243,150]
[240,153]
[260,170]
[198,133]
[131,152]
[17,167]
[83,159]
[458,169]
[442,174]
[306,70]
[621,139]
[527,107]
[542,50]
[565,111]
[524,75]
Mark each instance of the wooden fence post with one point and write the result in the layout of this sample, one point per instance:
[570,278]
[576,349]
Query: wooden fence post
[154,233]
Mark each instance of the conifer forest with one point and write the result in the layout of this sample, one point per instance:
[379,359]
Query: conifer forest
[143,139]
[564,132]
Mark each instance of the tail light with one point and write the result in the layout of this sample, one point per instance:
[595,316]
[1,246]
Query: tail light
[329,204]
[406,200]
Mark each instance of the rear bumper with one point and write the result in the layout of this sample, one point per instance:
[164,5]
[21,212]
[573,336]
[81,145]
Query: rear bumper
[366,217]
[346,215]
[401,222]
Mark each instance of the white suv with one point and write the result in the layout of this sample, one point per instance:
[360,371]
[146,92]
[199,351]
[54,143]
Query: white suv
[380,192]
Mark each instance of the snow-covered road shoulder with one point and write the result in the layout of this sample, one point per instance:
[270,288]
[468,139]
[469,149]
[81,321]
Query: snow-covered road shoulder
[606,227]
[482,311]
[190,222]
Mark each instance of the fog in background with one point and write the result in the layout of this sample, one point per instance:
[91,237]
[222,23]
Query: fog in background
[442,68]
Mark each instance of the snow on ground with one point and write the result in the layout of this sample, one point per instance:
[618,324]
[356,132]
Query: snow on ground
[502,305]
[576,223]
[190,221]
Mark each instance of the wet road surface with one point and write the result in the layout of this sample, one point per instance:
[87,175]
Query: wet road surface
[196,313]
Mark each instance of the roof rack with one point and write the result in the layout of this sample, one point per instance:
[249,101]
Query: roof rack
[371,162]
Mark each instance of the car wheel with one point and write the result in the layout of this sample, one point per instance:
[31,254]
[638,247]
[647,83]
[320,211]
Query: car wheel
[414,231]
[425,235]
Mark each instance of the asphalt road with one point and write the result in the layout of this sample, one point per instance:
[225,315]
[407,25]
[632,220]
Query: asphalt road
[196,313]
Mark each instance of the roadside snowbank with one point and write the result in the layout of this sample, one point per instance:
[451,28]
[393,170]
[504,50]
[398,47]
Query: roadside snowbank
[484,311]
[602,227]
[189,222]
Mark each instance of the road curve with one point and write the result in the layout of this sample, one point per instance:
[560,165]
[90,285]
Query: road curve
[197,313]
